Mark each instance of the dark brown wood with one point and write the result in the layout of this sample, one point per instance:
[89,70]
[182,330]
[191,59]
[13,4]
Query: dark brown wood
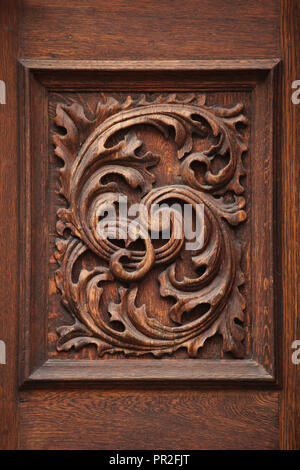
[209,371]
[149,419]
[260,82]
[145,65]
[126,48]
[173,29]
[290,402]
[33,209]
[9,23]
[88,196]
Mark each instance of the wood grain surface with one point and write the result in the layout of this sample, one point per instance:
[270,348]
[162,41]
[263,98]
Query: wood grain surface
[68,415]
[290,402]
[149,419]
[9,19]
[255,88]
[152,29]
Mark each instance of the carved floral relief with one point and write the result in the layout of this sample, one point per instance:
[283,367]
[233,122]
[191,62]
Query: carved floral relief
[96,150]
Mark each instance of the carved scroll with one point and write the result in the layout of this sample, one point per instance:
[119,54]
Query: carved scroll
[87,183]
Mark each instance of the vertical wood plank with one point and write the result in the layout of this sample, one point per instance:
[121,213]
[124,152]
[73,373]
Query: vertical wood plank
[9,20]
[290,404]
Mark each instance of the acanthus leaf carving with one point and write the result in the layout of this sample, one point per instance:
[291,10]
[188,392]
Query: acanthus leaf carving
[90,160]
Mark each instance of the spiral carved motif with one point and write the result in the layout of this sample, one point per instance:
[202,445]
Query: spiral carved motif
[87,183]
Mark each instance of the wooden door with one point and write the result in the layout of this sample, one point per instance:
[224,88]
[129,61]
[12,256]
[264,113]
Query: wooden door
[142,341]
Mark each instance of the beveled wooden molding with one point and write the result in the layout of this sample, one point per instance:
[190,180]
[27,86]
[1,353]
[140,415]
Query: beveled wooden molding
[135,65]
[217,371]
[184,75]
[38,77]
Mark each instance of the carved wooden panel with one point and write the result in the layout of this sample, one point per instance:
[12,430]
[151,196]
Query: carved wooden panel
[103,161]
[135,304]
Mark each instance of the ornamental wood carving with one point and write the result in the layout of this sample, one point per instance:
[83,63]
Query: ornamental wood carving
[95,151]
